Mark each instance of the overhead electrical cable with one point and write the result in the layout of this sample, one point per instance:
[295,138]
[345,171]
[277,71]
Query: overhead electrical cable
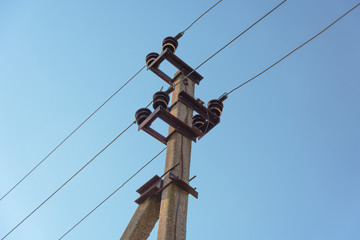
[281,59]
[95,155]
[226,45]
[227,94]
[67,181]
[107,100]
[111,194]
[150,103]
[77,128]
[182,33]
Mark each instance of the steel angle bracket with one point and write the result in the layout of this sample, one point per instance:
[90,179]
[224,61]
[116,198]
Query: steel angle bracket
[198,106]
[183,185]
[149,189]
[179,126]
[156,185]
[176,62]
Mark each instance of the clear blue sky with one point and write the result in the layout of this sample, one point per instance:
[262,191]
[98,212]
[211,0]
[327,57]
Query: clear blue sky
[282,164]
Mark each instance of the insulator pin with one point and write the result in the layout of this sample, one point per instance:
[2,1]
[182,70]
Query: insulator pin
[199,122]
[161,99]
[170,43]
[216,106]
[141,115]
[150,58]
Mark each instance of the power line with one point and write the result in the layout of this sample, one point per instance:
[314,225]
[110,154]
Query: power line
[69,180]
[271,66]
[182,33]
[96,154]
[227,94]
[81,124]
[77,128]
[111,194]
[226,45]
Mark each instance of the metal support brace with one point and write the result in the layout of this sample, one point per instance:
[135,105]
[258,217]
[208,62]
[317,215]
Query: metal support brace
[176,62]
[155,186]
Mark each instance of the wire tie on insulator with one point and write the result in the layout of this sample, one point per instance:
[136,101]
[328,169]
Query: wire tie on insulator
[170,89]
[223,97]
[179,35]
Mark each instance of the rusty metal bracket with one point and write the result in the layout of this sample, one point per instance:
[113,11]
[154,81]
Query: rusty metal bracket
[198,106]
[149,189]
[183,185]
[156,185]
[152,187]
[164,114]
[191,133]
[176,62]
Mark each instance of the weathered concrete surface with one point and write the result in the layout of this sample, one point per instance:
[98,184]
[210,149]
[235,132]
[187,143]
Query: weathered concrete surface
[143,220]
[174,201]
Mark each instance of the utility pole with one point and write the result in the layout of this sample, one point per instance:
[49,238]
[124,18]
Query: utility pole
[170,206]
[174,200]
[167,199]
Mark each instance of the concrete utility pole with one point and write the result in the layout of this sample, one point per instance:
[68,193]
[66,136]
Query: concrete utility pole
[171,207]
[143,220]
[174,200]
